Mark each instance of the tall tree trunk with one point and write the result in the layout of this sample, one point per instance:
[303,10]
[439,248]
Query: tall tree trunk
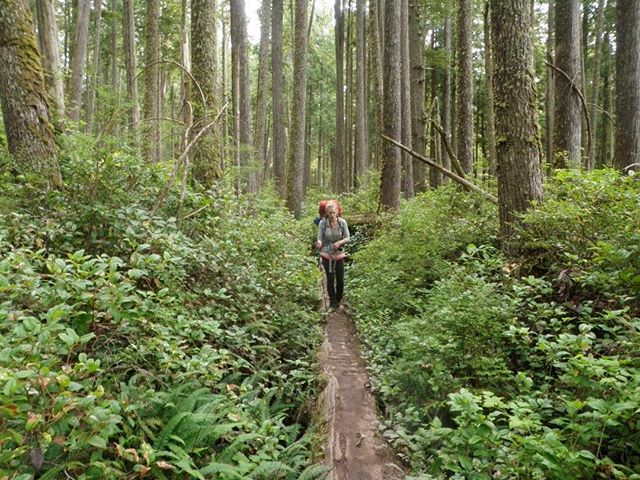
[298,111]
[206,161]
[391,173]
[78,60]
[436,141]
[339,158]
[152,146]
[447,92]
[361,111]
[627,148]
[568,113]
[240,58]
[48,37]
[464,89]
[606,142]
[519,173]
[349,88]
[128,31]
[115,77]
[23,95]
[416,46]
[490,106]
[375,49]
[595,84]
[277,87]
[405,100]
[92,89]
[260,143]
[185,56]
[550,87]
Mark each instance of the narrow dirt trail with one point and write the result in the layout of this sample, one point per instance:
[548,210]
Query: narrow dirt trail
[354,447]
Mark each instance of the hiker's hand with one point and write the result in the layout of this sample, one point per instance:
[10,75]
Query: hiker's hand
[318,243]
[337,245]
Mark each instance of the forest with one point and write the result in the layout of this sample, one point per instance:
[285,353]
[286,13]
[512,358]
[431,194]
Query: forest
[161,165]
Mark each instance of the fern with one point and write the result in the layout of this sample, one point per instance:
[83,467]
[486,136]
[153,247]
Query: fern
[315,472]
[225,468]
[52,474]
[227,454]
[269,470]
[170,427]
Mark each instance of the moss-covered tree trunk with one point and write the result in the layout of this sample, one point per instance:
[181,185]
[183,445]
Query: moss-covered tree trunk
[206,161]
[518,150]
[391,174]
[405,100]
[23,95]
[78,60]
[262,90]
[490,104]
[339,151]
[151,144]
[279,143]
[298,111]
[128,34]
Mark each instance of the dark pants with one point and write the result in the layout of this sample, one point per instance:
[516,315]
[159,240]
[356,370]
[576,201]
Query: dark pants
[335,280]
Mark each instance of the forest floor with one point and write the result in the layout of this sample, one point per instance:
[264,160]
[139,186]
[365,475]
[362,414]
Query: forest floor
[354,446]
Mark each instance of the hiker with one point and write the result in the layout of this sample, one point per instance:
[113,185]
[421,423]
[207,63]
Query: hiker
[333,233]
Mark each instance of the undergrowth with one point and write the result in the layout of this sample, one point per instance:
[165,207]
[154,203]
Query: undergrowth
[140,346]
[490,368]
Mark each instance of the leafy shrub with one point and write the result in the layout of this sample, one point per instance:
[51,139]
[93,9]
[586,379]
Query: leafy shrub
[140,345]
[521,369]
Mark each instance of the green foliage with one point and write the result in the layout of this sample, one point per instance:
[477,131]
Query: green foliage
[137,345]
[521,369]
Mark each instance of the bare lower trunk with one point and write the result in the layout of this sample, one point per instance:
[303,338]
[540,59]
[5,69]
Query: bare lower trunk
[48,39]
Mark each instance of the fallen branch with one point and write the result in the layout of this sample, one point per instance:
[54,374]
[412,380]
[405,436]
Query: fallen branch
[462,181]
[452,156]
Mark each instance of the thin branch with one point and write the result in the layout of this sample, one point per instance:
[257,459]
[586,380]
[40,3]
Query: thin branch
[461,180]
[179,65]
[582,101]
[182,158]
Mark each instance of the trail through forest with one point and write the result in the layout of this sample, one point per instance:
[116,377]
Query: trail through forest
[354,447]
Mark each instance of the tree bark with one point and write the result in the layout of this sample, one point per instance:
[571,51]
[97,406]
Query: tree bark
[23,95]
[298,111]
[595,84]
[339,158]
[568,114]
[447,93]
[490,105]
[417,77]
[519,172]
[361,140]
[405,100]
[391,174]
[606,142]
[277,82]
[152,146]
[128,30]
[115,77]
[627,147]
[464,90]
[78,60]
[550,87]
[375,56]
[240,57]
[262,90]
[48,39]
[94,75]
[207,168]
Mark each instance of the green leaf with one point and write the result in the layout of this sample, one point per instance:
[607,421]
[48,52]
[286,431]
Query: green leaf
[98,442]
[315,472]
